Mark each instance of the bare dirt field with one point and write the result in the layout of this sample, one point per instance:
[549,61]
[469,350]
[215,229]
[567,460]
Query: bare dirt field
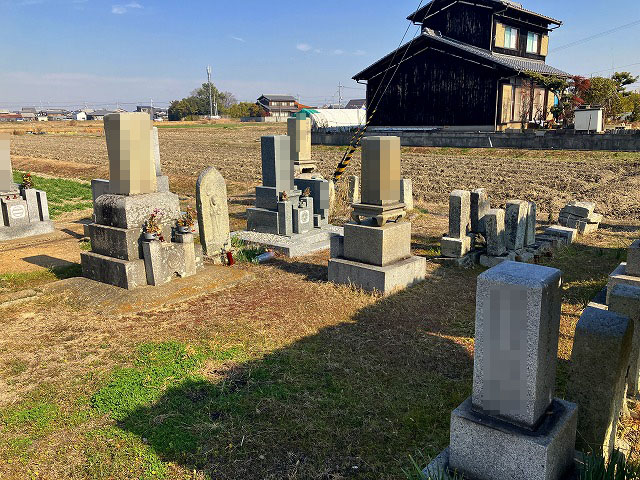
[550,178]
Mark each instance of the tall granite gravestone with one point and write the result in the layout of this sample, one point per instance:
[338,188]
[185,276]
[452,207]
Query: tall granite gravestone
[480,206]
[457,242]
[120,254]
[290,216]
[625,300]
[213,213]
[375,254]
[599,365]
[299,130]
[512,426]
[24,212]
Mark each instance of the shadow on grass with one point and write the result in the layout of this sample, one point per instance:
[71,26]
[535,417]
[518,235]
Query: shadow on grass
[311,272]
[352,401]
[51,263]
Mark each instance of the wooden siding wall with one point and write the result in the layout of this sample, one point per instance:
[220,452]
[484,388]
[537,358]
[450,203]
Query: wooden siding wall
[463,22]
[523,30]
[436,89]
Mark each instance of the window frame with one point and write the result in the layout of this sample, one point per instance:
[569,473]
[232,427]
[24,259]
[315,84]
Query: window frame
[535,44]
[508,33]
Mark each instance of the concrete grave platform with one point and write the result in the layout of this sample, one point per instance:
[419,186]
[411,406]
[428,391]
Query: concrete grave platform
[26,230]
[99,298]
[620,276]
[496,450]
[296,245]
[386,280]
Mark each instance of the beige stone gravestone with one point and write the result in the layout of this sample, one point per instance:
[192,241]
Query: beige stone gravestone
[300,132]
[131,163]
[380,170]
[213,212]
[6,173]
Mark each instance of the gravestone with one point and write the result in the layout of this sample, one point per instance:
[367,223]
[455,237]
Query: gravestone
[161,180]
[131,165]
[353,195]
[320,192]
[299,130]
[406,193]
[213,213]
[458,241]
[599,362]
[375,254]
[625,300]
[530,232]
[515,223]
[24,212]
[633,259]
[480,206]
[6,172]
[120,254]
[494,231]
[512,426]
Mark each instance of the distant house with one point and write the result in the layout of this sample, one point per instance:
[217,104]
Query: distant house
[279,106]
[358,103]
[81,116]
[146,109]
[10,117]
[473,67]
[28,116]
[29,110]
[98,114]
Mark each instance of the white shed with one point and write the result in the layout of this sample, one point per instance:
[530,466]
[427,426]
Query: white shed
[589,119]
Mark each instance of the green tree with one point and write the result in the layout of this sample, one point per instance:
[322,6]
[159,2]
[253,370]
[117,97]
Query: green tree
[622,80]
[242,109]
[604,91]
[197,103]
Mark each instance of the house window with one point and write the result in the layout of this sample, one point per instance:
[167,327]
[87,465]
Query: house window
[511,38]
[533,41]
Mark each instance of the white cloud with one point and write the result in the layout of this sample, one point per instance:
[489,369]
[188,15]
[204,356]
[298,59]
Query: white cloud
[359,52]
[304,47]
[122,9]
[238,39]
[338,52]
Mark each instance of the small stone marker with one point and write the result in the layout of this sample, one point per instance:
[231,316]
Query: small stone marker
[633,259]
[131,165]
[354,189]
[480,205]
[625,300]
[380,170]
[530,234]
[6,172]
[599,362]
[512,427]
[277,168]
[459,213]
[213,212]
[155,150]
[495,235]
[406,193]
[516,223]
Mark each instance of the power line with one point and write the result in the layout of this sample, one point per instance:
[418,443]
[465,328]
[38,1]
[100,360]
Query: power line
[615,68]
[597,35]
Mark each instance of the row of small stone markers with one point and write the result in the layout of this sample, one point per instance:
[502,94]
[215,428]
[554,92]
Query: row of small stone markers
[24,211]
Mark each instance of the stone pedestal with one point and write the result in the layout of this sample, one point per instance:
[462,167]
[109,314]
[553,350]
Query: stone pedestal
[376,258]
[24,213]
[620,277]
[633,259]
[625,300]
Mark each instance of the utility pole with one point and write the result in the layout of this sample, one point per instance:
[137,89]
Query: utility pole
[210,99]
[340,86]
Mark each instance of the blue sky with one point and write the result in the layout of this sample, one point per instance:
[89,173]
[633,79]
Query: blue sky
[130,51]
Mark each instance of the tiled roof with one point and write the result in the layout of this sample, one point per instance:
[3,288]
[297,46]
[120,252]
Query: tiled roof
[279,98]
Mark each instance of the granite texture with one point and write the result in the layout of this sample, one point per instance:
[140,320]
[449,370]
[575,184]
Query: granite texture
[377,245]
[129,211]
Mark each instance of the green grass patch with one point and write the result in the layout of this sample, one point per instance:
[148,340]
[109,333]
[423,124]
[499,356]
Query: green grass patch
[63,195]
[244,252]
[21,281]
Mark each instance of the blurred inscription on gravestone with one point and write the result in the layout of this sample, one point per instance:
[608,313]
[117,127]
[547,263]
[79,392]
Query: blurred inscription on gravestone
[380,170]
[6,174]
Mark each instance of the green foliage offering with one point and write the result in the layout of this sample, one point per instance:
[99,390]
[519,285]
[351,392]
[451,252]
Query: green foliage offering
[63,195]
[595,468]
[245,253]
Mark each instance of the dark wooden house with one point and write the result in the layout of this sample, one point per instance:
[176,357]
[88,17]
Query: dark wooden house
[469,68]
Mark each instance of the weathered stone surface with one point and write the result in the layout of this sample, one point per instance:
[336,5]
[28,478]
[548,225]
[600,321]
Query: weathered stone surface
[620,277]
[530,232]
[15,211]
[406,193]
[162,182]
[294,246]
[285,218]
[386,280]
[99,187]
[131,164]
[480,206]
[455,247]
[43,205]
[484,448]
[579,209]
[165,261]
[302,216]
[569,234]
[299,130]
[516,341]
[125,211]
[319,193]
[121,273]
[115,242]
[336,246]
[599,362]
[625,301]
[25,230]
[633,259]
[494,232]
[375,245]
[213,212]
[515,223]
[380,170]
[262,220]
[354,189]
[6,172]
[277,167]
[459,213]
[155,151]
[266,197]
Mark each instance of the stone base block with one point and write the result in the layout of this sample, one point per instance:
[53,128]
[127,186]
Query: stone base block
[26,230]
[491,261]
[620,276]
[165,261]
[375,245]
[320,221]
[99,187]
[129,211]
[263,221]
[266,197]
[373,278]
[586,228]
[569,234]
[633,259]
[484,448]
[113,271]
[122,243]
[337,246]
[163,183]
[295,245]
[455,247]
